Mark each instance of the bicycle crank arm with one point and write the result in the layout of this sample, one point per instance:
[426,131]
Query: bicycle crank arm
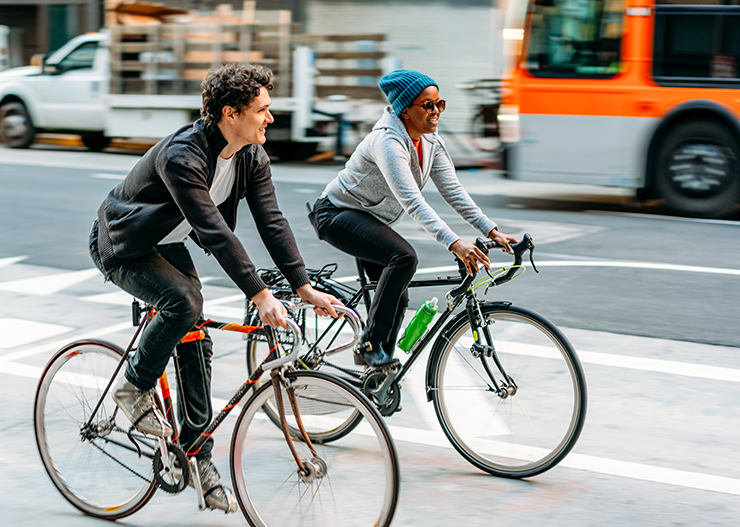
[195,474]
[381,392]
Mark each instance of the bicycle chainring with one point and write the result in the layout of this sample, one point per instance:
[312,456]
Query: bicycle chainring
[385,396]
[176,481]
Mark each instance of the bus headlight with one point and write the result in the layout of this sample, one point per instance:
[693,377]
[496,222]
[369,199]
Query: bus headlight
[508,123]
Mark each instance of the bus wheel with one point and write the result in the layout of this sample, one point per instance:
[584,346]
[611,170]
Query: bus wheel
[16,128]
[697,170]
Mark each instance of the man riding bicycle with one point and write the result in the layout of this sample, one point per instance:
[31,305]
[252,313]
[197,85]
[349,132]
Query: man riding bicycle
[383,179]
[190,184]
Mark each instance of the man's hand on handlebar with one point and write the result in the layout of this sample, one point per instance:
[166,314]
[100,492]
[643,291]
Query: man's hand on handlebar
[272,312]
[470,256]
[322,302]
[503,240]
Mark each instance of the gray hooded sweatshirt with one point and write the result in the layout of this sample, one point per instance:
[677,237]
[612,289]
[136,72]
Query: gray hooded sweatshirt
[383,177]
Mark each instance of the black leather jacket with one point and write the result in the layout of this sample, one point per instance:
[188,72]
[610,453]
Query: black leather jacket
[171,182]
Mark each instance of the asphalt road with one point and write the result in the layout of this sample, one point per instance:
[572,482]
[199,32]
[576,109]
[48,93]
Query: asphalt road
[649,301]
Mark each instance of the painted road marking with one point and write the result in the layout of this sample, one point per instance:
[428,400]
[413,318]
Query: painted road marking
[51,347]
[212,308]
[585,263]
[18,332]
[12,260]
[600,465]
[108,176]
[49,284]
[687,369]
[661,217]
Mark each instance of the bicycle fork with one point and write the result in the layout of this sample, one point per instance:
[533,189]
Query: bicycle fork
[308,470]
[478,325]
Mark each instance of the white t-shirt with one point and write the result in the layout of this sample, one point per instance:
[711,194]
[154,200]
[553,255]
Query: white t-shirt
[223,182]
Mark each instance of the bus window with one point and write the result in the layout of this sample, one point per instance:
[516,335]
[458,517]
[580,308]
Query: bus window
[574,38]
[697,45]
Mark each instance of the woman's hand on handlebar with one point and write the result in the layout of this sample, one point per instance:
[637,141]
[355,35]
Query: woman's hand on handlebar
[470,256]
[272,312]
[503,240]
[322,302]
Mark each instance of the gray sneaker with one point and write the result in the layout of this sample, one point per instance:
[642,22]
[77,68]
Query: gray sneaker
[216,495]
[140,408]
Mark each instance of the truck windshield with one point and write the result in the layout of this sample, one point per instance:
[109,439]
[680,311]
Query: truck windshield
[82,57]
[574,38]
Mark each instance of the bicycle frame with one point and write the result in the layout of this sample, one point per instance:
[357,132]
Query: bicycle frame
[363,293]
[273,363]
[142,318]
[454,298]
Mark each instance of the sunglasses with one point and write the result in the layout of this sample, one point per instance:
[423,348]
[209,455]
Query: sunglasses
[429,105]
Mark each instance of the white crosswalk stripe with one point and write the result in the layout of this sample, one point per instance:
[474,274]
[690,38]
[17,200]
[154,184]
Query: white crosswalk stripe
[50,284]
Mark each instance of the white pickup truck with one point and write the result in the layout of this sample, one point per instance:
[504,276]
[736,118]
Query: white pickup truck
[69,93]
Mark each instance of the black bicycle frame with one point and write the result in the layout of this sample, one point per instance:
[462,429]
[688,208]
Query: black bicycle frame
[363,292]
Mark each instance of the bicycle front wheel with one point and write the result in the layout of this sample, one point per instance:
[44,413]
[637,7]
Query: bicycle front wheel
[96,467]
[361,479]
[533,426]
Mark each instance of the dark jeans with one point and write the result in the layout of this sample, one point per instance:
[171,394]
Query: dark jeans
[386,257]
[165,278]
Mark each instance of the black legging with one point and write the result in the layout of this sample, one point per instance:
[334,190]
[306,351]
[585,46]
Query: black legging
[385,256]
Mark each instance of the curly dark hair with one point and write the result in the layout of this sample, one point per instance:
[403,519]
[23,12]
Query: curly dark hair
[234,85]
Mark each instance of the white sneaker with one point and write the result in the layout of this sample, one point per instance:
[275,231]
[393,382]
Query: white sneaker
[216,495]
[140,408]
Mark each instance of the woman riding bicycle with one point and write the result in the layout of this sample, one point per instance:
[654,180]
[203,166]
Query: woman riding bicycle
[382,180]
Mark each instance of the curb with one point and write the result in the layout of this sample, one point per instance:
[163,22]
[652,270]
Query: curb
[76,141]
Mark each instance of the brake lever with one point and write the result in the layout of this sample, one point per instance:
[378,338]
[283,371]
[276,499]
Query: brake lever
[531,259]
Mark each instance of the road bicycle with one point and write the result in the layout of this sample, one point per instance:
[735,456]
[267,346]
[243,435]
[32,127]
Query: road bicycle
[281,477]
[507,386]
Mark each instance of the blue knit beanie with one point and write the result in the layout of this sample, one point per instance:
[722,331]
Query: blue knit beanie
[403,86]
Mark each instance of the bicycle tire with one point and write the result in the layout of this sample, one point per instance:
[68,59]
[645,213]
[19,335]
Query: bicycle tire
[528,432]
[97,476]
[362,483]
[483,134]
[310,324]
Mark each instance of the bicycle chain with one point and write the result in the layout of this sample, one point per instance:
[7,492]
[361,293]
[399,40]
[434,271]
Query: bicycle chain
[344,370]
[119,462]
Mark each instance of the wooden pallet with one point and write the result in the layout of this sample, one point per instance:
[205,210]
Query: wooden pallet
[347,65]
[173,55]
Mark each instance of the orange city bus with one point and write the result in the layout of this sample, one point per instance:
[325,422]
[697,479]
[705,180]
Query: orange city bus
[629,93]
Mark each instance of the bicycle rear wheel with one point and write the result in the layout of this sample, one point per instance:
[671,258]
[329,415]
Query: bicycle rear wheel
[531,430]
[362,479]
[314,337]
[96,468]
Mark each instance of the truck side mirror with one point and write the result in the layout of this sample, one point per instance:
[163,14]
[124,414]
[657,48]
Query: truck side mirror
[52,69]
[38,60]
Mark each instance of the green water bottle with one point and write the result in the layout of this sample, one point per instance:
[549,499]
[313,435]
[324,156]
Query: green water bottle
[418,324]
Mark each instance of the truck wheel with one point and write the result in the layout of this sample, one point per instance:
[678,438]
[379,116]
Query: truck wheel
[16,128]
[697,169]
[96,142]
